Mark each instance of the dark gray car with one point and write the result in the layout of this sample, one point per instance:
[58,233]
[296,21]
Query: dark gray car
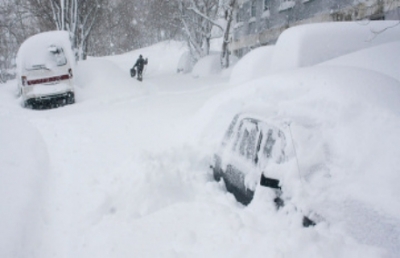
[249,152]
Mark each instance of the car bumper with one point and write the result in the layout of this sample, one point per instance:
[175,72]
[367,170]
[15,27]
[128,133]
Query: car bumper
[49,101]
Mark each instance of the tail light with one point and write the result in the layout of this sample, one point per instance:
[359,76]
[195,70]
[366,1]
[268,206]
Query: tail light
[70,73]
[24,80]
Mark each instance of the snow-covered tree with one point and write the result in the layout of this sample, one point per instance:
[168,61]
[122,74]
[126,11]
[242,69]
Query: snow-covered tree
[228,7]
[75,16]
[130,24]
[198,18]
[16,24]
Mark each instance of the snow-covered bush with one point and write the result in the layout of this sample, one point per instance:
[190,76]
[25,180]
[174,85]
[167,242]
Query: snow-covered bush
[209,65]
[253,65]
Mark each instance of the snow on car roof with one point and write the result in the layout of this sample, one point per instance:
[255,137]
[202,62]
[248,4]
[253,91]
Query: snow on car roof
[34,49]
[311,44]
[384,58]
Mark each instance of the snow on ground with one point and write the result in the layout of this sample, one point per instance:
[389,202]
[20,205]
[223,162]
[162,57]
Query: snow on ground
[22,186]
[163,58]
[124,172]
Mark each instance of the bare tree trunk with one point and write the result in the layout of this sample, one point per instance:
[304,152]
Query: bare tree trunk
[229,8]
[198,18]
[76,16]
[16,24]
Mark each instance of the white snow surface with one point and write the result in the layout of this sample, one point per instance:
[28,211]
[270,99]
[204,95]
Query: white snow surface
[311,44]
[206,66]
[124,172]
[253,65]
[211,65]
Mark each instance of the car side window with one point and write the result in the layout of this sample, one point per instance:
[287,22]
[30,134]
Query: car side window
[274,145]
[269,144]
[247,140]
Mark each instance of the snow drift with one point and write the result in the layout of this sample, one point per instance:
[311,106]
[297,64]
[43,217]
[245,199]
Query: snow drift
[24,171]
[124,172]
[344,116]
[310,44]
[253,65]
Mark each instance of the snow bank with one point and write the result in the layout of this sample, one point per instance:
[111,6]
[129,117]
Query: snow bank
[208,65]
[8,97]
[383,58]
[23,173]
[99,78]
[253,65]
[344,121]
[123,182]
[310,44]
[186,63]
[163,58]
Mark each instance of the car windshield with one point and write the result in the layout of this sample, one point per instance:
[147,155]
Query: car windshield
[47,59]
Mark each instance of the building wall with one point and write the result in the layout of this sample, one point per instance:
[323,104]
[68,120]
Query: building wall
[263,27]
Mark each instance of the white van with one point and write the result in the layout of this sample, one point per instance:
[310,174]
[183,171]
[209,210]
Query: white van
[45,69]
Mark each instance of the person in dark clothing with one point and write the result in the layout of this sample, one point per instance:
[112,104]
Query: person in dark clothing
[140,63]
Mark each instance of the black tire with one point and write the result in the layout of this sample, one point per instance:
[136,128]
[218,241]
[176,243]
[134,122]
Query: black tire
[71,98]
[25,104]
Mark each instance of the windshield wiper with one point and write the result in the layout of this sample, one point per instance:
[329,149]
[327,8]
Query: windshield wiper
[40,67]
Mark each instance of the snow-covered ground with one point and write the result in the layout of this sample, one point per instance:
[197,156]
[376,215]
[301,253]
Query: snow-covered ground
[124,172]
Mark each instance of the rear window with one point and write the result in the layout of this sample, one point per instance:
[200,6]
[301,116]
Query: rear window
[46,59]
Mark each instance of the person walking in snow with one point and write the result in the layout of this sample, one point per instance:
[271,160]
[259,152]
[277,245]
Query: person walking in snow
[140,63]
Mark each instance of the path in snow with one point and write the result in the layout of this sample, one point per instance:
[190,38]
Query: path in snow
[125,180]
[99,151]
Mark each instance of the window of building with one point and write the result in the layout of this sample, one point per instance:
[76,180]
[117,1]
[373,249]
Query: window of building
[253,9]
[377,17]
[286,4]
[266,9]
[266,5]
[239,15]
[252,26]
[239,53]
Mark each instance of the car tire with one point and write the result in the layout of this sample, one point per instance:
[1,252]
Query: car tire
[70,98]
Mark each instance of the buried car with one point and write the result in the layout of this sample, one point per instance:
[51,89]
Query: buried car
[340,119]
[45,68]
[249,157]
[249,145]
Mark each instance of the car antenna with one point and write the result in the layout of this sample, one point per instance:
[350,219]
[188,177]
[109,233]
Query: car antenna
[295,153]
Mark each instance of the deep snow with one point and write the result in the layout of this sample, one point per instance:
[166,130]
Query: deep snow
[124,172]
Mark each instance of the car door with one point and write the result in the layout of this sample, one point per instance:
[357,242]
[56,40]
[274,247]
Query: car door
[272,151]
[241,172]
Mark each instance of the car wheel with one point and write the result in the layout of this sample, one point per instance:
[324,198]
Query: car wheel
[70,98]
